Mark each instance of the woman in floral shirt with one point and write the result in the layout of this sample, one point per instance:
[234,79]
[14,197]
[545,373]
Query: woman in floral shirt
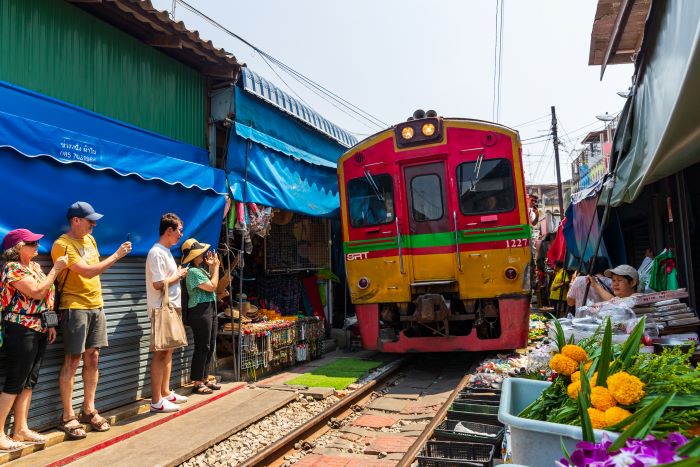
[26,293]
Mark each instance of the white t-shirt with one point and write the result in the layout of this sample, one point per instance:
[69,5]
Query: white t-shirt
[578,288]
[160,265]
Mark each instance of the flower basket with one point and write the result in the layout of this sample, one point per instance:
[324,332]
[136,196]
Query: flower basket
[535,442]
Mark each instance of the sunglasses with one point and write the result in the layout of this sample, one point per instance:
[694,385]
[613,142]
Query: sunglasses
[31,243]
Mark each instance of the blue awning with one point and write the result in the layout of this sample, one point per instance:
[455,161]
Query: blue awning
[291,165]
[49,163]
[35,125]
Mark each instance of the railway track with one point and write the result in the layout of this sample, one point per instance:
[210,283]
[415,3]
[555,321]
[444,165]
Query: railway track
[384,422]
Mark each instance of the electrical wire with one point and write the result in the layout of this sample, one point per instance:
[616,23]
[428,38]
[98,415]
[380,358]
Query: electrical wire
[323,92]
[495,63]
[500,63]
[530,121]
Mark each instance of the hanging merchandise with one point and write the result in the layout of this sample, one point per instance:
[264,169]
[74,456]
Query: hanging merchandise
[259,219]
[663,274]
[268,345]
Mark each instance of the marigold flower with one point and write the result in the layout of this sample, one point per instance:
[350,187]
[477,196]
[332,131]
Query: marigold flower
[587,365]
[562,364]
[625,388]
[574,352]
[573,389]
[575,376]
[615,415]
[597,417]
[601,398]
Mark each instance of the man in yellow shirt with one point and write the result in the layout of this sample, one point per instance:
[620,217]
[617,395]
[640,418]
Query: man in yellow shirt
[83,321]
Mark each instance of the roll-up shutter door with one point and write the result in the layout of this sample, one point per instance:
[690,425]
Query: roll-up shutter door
[124,365]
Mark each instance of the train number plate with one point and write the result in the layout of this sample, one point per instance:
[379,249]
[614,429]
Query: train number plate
[518,243]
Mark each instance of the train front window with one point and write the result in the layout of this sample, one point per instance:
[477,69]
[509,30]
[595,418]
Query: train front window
[485,186]
[426,193]
[371,200]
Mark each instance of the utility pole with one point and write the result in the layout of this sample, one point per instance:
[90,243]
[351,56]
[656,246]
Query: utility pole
[555,137]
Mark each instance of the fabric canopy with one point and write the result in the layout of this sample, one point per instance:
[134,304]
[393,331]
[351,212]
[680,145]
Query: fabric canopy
[36,125]
[664,136]
[289,165]
[38,191]
[53,154]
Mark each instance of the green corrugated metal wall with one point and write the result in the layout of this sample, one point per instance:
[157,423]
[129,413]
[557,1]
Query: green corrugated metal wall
[59,50]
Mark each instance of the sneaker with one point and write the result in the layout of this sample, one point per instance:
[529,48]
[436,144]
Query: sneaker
[164,406]
[176,398]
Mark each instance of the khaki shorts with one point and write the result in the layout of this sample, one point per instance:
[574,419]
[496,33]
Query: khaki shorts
[83,329]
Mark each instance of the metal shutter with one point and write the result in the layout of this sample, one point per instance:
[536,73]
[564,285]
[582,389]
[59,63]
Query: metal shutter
[124,365]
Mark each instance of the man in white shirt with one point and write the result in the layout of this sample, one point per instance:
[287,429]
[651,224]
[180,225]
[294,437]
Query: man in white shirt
[161,269]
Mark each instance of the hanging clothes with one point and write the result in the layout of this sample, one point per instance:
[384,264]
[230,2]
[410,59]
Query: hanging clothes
[576,230]
[557,250]
[663,274]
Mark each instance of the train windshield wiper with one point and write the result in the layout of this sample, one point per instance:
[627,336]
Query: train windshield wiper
[374,185]
[475,175]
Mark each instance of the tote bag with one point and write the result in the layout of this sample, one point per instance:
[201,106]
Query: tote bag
[167,330]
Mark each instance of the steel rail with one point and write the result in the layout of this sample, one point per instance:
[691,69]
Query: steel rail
[415,448]
[280,447]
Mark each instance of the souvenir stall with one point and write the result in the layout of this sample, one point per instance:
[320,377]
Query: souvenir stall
[281,158]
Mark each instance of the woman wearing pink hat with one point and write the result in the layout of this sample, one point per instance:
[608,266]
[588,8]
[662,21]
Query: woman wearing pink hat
[26,293]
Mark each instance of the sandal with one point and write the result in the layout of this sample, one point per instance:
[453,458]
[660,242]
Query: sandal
[73,432]
[96,421]
[201,388]
[29,437]
[9,445]
[213,386]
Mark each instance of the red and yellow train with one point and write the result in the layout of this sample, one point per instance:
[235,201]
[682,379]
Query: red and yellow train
[436,236]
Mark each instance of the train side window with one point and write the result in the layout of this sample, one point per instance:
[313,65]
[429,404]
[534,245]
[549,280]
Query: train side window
[485,188]
[426,194]
[371,200]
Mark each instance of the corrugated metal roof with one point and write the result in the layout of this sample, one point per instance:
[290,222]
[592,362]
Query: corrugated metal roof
[142,20]
[262,88]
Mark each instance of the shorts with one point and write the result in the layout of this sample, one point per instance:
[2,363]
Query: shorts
[25,349]
[83,329]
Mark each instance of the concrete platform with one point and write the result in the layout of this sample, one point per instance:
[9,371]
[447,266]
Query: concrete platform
[166,439]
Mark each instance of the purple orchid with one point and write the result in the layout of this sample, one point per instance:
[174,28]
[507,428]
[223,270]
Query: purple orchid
[645,452]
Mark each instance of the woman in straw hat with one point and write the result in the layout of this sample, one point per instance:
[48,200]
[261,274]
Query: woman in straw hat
[201,312]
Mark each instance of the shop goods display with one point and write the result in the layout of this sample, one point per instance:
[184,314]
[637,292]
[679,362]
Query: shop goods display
[268,345]
[601,385]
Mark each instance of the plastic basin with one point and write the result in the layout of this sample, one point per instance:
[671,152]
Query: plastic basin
[535,443]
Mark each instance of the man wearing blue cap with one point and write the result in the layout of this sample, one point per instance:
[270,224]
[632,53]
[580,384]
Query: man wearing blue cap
[83,320]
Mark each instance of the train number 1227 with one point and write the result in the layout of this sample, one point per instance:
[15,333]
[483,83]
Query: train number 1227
[517,243]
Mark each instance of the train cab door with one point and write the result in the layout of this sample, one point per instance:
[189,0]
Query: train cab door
[428,222]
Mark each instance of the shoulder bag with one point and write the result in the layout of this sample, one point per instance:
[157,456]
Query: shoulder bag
[167,330]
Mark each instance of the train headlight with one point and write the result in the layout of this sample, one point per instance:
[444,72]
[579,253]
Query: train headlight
[427,130]
[511,274]
[363,283]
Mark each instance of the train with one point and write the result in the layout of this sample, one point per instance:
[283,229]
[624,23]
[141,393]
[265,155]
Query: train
[436,237]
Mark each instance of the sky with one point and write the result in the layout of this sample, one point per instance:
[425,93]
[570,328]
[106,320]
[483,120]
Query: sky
[392,57]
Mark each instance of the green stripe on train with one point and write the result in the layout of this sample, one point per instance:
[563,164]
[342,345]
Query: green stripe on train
[492,234]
